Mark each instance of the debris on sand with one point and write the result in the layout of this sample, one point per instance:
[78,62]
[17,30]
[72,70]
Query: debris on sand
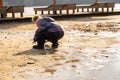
[50,71]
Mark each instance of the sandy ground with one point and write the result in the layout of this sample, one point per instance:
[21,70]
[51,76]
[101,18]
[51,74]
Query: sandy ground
[90,46]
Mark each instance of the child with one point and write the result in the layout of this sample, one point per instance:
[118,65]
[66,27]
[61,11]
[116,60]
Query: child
[47,30]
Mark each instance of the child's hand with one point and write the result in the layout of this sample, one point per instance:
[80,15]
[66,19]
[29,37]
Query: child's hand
[34,42]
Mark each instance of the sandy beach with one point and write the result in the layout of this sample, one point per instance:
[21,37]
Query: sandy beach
[90,46]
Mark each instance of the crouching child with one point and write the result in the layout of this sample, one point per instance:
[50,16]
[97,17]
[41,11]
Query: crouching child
[48,30]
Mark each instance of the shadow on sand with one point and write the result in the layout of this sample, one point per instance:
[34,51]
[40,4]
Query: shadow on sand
[37,52]
[8,25]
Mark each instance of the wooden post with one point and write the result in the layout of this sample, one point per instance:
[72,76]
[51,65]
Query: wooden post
[3,15]
[96,9]
[54,2]
[1,3]
[96,1]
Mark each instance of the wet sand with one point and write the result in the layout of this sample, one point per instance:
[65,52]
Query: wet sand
[110,71]
[90,47]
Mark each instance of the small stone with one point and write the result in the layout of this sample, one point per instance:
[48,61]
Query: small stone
[73,65]
[5,37]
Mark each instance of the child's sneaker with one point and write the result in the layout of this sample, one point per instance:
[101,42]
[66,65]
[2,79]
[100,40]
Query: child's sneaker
[38,47]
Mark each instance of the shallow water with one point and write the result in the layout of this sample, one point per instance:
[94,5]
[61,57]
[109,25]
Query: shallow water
[111,70]
[74,64]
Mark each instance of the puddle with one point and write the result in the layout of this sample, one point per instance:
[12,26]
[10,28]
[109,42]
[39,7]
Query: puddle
[74,64]
[111,70]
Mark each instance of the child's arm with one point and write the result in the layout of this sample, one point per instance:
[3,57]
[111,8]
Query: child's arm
[35,36]
[38,31]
